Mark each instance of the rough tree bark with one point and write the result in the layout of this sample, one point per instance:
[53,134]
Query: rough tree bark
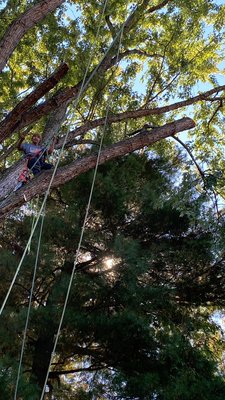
[10,123]
[64,174]
[142,112]
[69,94]
[54,124]
[21,25]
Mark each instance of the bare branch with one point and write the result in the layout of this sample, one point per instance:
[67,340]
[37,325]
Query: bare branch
[139,53]
[139,113]
[191,155]
[49,105]
[216,110]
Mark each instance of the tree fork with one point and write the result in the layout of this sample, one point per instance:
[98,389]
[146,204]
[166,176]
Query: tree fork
[68,94]
[9,124]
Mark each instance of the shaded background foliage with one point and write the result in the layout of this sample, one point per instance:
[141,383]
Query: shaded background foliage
[143,316]
[151,269]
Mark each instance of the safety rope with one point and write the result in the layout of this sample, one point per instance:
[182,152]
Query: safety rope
[34,217]
[34,224]
[82,89]
[83,228]
[24,253]
[29,306]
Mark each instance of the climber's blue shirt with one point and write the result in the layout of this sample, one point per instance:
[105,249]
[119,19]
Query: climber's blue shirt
[32,150]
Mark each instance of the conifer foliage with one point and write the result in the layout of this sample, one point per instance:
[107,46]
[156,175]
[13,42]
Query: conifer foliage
[139,323]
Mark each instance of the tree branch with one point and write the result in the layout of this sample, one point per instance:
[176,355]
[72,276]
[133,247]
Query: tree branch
[192,157]
[64,174]
[107,62]
[140,113]
[49,105]
[10,123]
[54,374]
[139,52]
[216,110]
[110,26]
[21,25]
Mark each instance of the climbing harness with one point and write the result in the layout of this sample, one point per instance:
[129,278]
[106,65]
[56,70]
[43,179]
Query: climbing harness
[29,307]
[25,175]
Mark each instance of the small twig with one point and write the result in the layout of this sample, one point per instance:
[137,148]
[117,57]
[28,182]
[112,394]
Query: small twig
[216,111]
[191,155]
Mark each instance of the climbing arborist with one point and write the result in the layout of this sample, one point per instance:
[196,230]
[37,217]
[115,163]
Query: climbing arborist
[36,153]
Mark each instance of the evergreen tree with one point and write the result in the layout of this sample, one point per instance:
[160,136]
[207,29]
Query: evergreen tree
[150,271]
[137,324]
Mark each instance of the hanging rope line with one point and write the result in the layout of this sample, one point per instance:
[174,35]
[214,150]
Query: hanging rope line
[25,171]
[34,217]
[24,254]
[29,307]
[34,226]
[82,89]
[83,227]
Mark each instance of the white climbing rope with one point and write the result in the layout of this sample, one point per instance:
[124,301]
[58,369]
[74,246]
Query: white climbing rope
[34,224]
[82,233]
[29,307]
[82,89]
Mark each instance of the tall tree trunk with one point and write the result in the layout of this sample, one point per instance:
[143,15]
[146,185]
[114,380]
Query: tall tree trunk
[41,358]
[21,25]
